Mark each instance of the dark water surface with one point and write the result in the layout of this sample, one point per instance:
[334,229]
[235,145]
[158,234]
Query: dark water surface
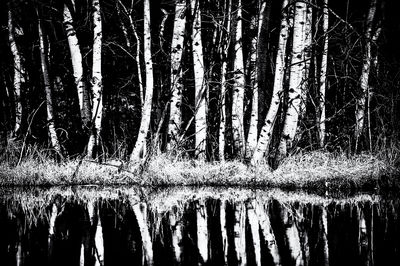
[183,226]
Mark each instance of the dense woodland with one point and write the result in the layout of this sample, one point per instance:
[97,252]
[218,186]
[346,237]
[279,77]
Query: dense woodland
[211,79]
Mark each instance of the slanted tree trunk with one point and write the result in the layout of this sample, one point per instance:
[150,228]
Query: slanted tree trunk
[140,211]
[295,81]
[366,67]
[47,86]
[266,131]
[199,82]
[18,73]
[323,78]
[224,85]
[76,59]
[202,231]
[97,82]
[177,45]
[292,236]
[266,229]
[238,87]
[254,227]
[146,110]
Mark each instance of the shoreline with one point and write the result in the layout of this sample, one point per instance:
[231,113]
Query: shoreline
[318,172]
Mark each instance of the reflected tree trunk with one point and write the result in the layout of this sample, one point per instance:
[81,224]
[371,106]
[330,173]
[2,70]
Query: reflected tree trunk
[95,221]
[202,231]
[222,213]
[292,236]
[254,227]
[52,221]
[324,226]
[239,231]
[175,221]
[140,211]
[266,229]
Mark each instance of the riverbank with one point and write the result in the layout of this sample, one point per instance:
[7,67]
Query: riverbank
[316,171]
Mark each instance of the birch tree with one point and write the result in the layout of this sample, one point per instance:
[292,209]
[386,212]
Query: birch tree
[18,78]
[323,78]
[255,25]
[224,233]
[267,129]
[295,81]
[224,85]
[76,59]
[370,35]
[97,83]
[146,110]
[47,87]
[199,82]
[238,87]
[177,45]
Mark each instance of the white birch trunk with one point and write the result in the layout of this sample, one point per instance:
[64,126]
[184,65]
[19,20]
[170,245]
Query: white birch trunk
[252,136]
[238,87]
[95,221]
[222,216]
[47,86]
[366,67]
[224,84]
[202,231]
[295,81]
[76,59]
[324,218]
[140,211]
[177,236]
[240,233]
[267,232]
[323,78]
[266,131]
[97,83]
[199,82]
[177,45]
[146,111]
[292,237]
[18,73]
[254,227]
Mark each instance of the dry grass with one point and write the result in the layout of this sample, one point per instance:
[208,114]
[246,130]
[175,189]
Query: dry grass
[317,171]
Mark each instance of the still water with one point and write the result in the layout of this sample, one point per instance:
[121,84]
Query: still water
[192,226]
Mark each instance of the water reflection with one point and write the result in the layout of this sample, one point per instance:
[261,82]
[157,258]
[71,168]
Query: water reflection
[117,226]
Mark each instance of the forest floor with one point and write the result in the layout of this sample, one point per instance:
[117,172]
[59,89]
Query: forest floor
[319,172]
